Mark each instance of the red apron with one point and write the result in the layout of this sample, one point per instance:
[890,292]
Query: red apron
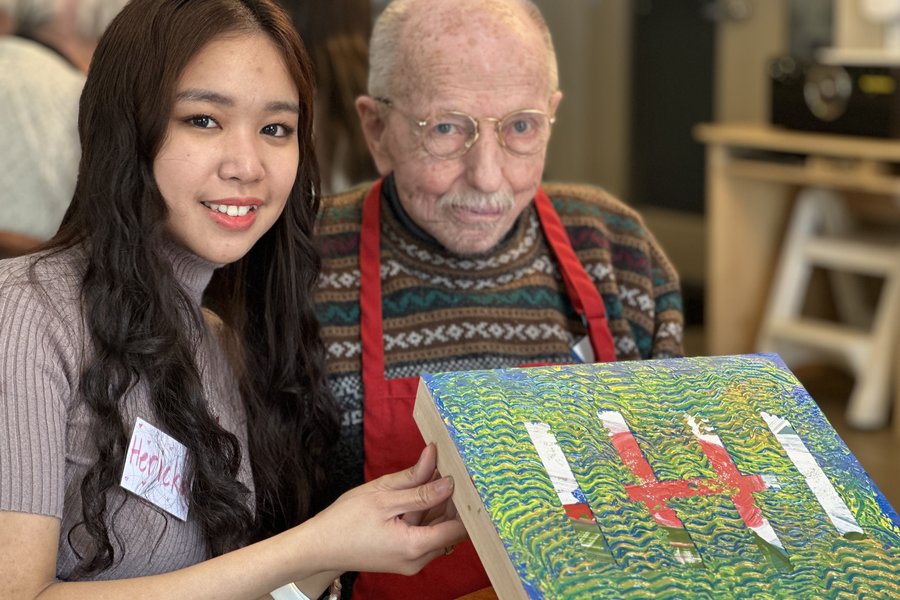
[391,439]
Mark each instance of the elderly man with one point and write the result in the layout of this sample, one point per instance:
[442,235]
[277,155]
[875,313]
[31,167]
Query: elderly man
[459,258]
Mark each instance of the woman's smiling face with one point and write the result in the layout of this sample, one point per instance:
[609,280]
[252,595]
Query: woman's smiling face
[230,153]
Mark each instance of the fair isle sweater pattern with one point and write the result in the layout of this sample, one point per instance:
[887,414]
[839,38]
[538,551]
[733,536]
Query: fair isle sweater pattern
[444,312]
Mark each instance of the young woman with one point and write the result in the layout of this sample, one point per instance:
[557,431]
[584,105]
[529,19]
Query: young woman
[163,414]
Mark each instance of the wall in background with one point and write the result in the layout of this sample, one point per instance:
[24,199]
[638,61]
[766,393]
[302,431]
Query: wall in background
[591,138]
[641,148]
[672,90]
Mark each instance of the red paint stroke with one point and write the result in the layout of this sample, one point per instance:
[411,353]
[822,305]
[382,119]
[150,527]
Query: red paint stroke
[631,455]
[634,459]
[580,512]
[743,485]
[654,493]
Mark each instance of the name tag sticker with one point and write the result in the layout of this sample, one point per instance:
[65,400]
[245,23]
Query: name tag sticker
[154,469]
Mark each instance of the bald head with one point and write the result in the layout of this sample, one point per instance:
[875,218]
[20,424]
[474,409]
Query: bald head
[414,40]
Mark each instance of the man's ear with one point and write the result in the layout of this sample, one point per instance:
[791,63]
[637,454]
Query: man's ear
[554,102]
[375,130]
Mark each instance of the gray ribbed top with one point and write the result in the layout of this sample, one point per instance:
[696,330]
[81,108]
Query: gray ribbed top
[44,428]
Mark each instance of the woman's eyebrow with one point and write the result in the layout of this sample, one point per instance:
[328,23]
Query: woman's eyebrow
[291,107]
[200,95]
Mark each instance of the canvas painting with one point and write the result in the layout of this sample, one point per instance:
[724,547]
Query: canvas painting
[707,477]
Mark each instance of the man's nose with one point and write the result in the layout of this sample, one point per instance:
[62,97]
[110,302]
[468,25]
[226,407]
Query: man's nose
[484,161]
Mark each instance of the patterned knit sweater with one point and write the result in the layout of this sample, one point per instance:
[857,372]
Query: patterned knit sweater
[444,312]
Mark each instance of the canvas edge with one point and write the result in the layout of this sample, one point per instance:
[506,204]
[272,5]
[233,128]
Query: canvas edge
[471,509]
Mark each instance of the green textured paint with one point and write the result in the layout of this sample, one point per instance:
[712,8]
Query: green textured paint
[485,412]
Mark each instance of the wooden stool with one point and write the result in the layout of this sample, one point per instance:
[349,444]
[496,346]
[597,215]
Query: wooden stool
[821,233]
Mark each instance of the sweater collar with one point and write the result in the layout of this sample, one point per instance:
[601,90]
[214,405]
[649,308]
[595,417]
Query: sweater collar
[192,272]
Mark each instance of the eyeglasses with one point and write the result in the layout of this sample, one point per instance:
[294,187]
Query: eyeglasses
[452,134]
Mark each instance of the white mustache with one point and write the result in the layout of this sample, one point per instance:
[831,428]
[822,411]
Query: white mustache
[495,201]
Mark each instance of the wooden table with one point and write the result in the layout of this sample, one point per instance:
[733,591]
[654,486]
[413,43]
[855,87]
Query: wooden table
[752,175]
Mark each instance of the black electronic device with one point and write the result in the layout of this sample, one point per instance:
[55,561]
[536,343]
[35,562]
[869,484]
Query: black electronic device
[848,99]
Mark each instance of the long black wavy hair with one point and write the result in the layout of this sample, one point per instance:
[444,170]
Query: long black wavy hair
[134,306]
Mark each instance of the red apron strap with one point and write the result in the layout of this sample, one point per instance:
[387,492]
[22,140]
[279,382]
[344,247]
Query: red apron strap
[371,332]
[387,407]
[403,387]
[390,437]
[582,292]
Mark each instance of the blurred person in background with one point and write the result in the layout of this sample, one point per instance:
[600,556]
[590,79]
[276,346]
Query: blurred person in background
[43,60]
[336,34]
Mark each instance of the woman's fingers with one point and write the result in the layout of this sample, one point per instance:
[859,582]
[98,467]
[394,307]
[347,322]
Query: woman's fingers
[434,540]
[423,489]
[441,512]
[421,498]
[421,472]
[399,521]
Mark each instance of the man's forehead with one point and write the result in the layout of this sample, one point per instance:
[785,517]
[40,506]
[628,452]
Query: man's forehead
[477,97]
[489,56]
[462,14]
[442,23]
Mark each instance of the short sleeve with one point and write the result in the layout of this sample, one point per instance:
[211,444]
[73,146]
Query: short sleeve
[35,388]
